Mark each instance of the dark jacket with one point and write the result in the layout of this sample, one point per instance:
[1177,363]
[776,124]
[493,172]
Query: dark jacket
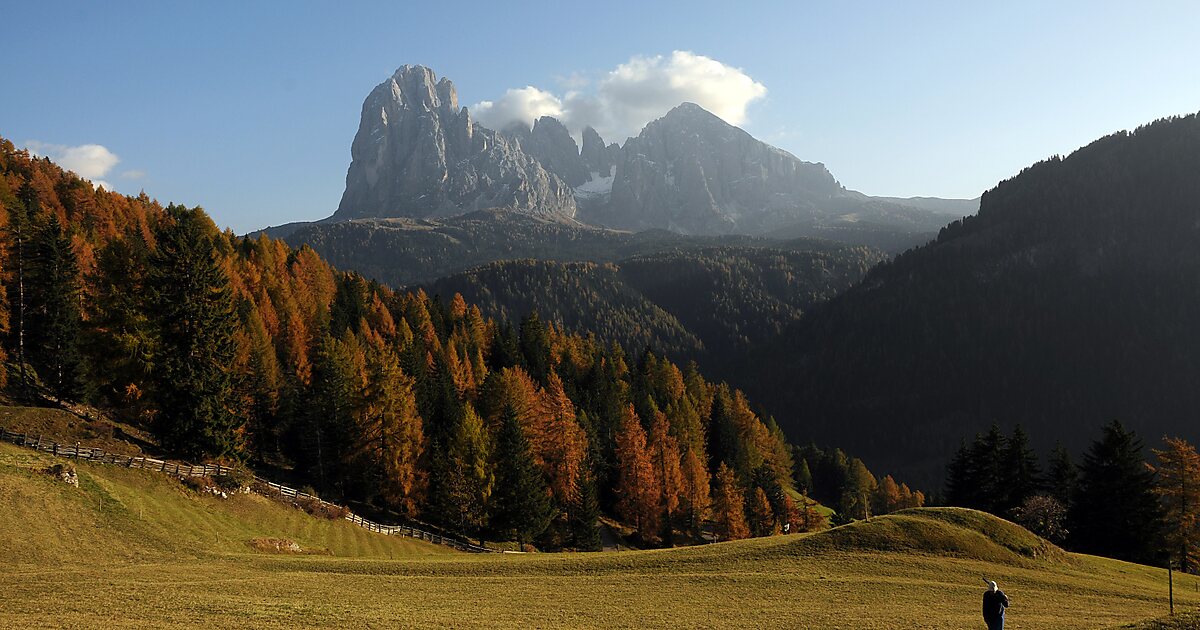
[994,605]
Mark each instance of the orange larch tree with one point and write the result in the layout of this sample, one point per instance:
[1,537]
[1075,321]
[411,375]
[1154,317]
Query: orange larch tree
[638,491]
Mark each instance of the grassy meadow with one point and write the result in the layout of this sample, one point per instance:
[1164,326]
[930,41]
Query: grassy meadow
[136,549]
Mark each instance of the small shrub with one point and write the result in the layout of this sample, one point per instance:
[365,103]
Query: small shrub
[198,484]
[322,510]
[1044,516]
[237,478]
[59,469]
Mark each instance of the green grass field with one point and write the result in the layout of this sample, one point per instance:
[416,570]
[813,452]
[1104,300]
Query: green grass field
[136,549]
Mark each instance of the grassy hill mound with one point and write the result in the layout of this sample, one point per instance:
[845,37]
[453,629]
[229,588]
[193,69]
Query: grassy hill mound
[952,532]
[120,515]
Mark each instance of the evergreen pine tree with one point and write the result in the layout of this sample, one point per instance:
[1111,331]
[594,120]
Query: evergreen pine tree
[520,507]
[20,230]
[960,486]
[323,442]
[1115,511]
[987,458]
[585,514]
[535,347]
[1022,476]
[54,312]
[194,320]
[1062,476]
[804,479]
[118,339]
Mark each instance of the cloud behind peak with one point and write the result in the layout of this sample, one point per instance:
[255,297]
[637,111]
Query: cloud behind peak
[627,97]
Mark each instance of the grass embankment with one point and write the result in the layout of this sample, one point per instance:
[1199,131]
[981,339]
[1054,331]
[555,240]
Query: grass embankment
[120,515]
[68,428]
[155,555]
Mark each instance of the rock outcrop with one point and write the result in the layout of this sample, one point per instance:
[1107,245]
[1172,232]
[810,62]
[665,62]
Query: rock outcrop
[551,144]
[418,155]
[597,157]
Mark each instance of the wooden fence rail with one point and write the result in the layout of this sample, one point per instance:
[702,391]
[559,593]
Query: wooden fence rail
[182,469]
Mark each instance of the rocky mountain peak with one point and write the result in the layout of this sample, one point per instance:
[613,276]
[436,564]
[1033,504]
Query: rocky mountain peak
[692,172]
[418,154]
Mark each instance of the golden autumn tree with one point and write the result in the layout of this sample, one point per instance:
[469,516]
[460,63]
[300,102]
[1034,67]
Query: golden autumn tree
[696,498]
[547,418]
[762,518]
[559,443]
[887,497]
[637,489]
[729,506]
[390,436]
[1178,485]
[664,456]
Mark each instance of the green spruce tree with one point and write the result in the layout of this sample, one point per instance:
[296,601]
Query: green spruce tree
[194,320]
[1062,476]
[1115,511]
[520,504]
[1022,475]
[585,514]
[118,338]
[54,313]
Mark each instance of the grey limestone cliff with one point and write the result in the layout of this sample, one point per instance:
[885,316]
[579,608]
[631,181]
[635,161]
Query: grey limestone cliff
[418,155]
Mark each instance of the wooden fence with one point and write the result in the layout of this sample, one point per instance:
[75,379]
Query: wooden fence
[181,469]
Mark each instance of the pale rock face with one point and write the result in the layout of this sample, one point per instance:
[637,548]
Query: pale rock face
[692,172]
[597,157]
[418,155]
[551,144]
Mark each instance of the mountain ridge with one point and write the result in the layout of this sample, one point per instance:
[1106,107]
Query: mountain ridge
[417,154]
[1069,299]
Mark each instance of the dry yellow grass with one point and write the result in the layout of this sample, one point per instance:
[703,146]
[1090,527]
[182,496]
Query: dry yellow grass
[134,568]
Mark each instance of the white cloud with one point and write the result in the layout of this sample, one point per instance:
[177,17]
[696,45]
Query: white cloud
[525,105]
[624,99]
[89,161]
[133,174]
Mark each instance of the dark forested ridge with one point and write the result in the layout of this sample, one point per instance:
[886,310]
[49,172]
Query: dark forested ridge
[404,252]
[710,305]
[1070,299]
[407,406]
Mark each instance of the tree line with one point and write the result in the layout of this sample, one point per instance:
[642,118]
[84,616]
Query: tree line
[1115,502]
[405,404]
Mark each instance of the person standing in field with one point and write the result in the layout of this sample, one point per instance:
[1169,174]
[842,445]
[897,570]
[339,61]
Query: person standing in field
[995,602]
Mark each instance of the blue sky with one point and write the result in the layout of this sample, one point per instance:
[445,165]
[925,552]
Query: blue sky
[248,108]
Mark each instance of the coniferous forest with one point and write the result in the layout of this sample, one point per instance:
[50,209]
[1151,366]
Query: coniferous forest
[1070,299]
[406,405]
[1118,501]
